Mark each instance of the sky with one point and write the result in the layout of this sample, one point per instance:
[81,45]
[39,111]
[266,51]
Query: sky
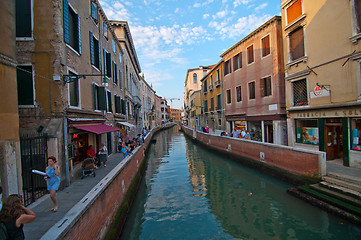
[171,36]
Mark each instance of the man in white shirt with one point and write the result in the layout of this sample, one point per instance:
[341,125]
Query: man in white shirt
[235,133]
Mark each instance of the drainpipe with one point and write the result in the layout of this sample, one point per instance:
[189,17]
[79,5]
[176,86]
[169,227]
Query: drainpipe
[65,127]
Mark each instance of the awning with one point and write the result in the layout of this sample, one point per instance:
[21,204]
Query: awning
[97,129]
[126,124]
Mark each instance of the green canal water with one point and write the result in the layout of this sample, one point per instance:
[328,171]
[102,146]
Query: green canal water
[189,192]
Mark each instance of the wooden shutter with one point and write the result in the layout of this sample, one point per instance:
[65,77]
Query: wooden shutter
[105,61]
[102,99]
[294,11]
[262,87]
[66,21]
[91,43]
[100,56]
[94,88]
[297,44]
[265,46]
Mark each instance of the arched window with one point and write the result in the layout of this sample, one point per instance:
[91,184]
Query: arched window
[194,78]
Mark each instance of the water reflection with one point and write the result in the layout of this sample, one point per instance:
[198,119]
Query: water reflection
[191,193]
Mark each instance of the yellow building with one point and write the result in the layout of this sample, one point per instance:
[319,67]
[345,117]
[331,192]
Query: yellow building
[212,98]
[10,165]
[191,84]
[195,109]
[176,115]
[322,53]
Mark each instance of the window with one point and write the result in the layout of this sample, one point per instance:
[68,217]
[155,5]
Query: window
[73,92]
[123,105]
[300,93]
[95,54]
[296,44]
[205,86]
[117,104]
[115,73]
[94,11]
[205,106]
[252,90]
[113,45]
[107,63]
[239,93]
[194,78]
[227,67]
[25,85]
[356,134]
[99,98]
[23,18]
[307,131]
[72,34]
[109,102]
[294,11]
[105,30]
[250,55]
[265,46]
[219,103]
[228,96]
[211,81]
[212,104]
[218,76]
[237,61]
[266,88]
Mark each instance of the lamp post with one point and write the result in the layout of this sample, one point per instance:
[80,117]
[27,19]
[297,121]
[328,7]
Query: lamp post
[73,78]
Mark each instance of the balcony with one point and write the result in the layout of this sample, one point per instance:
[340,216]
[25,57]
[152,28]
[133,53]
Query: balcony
[218,83]
[210,87]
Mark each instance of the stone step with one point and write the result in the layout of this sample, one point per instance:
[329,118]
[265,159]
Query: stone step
[332,181]
[348,204]
[344,195]
[345,178]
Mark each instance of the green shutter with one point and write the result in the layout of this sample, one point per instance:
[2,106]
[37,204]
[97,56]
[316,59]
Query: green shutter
[105,61]
[321,130]
[25,85]
[94,88]
[23,18]
[66,21]
[79,35]
[102,99]
[124,108]
[91,43]
[346,142]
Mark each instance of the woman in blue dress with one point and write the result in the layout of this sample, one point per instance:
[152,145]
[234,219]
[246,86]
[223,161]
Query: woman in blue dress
[53,180]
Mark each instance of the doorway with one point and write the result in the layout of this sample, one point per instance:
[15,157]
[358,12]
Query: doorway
[333,139]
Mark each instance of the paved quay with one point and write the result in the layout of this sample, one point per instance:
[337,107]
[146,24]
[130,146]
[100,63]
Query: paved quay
[71,195]
[67,198]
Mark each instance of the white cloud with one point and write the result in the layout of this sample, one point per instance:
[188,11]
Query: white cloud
[260,7]
[220,14]
[116,11]
[243,26]
[197,5]
[237,3]
[205,16]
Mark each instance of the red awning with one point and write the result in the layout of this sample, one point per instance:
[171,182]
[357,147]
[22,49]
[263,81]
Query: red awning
[97,129]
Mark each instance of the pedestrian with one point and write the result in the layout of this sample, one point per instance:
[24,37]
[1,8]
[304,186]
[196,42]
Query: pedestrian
[125,150]
[247,135]
[140,139]
[235,133]
[103,155]
[207,129]
[1,197]
[91,154]
[14,215]
[243,133]
[126,139]
[53,180]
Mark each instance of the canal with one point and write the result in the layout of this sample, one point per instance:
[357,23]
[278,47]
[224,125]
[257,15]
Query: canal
[189,192]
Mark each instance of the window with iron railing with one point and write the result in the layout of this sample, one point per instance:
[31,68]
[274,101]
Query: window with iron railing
[212,105]
[300,93]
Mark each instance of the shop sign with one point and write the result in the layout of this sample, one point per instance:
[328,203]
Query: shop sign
[340,113]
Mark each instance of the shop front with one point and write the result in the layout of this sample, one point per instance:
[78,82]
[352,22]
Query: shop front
[86,132]
[335,131]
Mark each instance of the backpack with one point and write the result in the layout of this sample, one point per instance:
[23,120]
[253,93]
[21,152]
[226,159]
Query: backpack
[3,231]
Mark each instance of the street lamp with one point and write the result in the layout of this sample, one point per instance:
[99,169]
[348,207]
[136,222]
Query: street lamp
[73,78]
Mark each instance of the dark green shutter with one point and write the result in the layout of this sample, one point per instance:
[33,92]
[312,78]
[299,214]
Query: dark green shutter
[100,56]
[23,18]
[66,21]
[94,88]
[102,99]
[25,85]
[346,142]
[124,109]
[79,35]
[105,61]
[321,130]
[91,43]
